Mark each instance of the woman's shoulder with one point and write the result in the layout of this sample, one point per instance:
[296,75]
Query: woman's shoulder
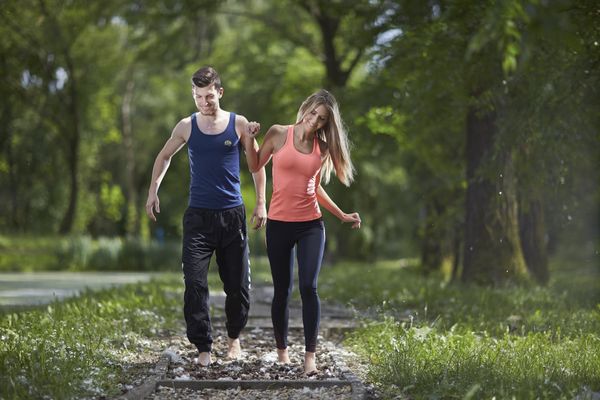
[277,129]
[277,132]
[277,135]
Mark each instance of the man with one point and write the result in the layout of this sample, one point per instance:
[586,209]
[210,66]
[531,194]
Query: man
[215,220]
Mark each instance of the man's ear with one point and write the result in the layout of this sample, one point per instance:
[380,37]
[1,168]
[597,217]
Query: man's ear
[221,92]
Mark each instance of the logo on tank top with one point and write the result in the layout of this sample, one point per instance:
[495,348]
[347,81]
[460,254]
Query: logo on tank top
[227,143]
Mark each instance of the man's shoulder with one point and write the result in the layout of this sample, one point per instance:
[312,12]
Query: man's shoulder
[186,120]
[183,127]
[239,118]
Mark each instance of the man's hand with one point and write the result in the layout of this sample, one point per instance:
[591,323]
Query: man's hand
[259,216]
[152,204]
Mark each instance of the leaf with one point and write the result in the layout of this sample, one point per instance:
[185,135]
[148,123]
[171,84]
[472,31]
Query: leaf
[509,64]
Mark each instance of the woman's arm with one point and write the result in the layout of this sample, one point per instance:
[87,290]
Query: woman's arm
[257,156]
[329,204]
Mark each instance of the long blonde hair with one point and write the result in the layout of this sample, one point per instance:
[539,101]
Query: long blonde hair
[334,134]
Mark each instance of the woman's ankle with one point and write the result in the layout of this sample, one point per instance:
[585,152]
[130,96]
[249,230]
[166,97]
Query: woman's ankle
[283,356]
[310,363]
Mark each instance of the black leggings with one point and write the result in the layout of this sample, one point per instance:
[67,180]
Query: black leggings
[309,240]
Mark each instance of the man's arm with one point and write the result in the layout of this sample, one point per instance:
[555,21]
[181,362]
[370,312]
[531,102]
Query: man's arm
[161,164]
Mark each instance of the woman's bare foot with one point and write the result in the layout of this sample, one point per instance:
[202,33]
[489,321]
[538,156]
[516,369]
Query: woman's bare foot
[234,349]
[203,359]
[283,356]
[310,363]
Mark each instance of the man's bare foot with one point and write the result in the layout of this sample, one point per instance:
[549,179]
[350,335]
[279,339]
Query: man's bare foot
[283,356]
[310,363]
[234,349]
[203,359]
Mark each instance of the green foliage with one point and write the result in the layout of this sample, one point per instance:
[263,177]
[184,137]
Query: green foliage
[27,254]
[74,75]
[82,253]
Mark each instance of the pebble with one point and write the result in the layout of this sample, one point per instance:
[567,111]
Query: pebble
[334,393]
[258,362]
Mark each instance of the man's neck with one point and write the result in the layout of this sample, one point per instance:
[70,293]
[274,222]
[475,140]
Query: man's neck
[212,118]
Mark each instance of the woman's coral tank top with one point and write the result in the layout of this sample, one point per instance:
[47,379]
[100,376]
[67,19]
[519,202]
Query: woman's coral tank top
[295,181]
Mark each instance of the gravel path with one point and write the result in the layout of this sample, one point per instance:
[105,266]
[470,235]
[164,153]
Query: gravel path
[254,394]
[257,374]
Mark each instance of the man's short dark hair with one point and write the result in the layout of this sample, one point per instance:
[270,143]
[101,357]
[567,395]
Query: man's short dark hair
[206,76]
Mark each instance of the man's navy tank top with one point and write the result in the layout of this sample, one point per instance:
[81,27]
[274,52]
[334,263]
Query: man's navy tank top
[214,167]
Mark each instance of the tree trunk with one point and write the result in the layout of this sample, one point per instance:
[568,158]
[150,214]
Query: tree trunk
[532,231]
[6,147]
[72,130]
[456,242]
[431,243]
[329,23]
[431,253]
[492,252]
[131,225]
[68,220]
[335,76]
[14,191]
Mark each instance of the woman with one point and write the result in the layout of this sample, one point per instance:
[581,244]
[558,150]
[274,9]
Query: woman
[303,154]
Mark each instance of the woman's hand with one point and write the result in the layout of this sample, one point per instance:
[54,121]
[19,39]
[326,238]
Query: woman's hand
[252,129]
[353,218]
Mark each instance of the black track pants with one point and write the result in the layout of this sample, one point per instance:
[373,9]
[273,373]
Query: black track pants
[223,232]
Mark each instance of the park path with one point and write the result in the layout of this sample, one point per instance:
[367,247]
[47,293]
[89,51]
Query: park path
[23,290]
[257,375]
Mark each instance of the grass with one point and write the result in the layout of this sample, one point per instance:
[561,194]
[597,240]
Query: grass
[421,337]
[77,348]
[425,338]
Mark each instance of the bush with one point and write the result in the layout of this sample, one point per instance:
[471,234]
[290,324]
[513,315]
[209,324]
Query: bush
[140,255]
[106,255]
[83,253]
[73,254]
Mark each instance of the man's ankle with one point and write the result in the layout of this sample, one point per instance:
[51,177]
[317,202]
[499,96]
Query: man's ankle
[204,358]
[234,348]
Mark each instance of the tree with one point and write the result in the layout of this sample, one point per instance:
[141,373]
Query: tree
[553,116]
[55,43]
[476,59]
[295,47]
